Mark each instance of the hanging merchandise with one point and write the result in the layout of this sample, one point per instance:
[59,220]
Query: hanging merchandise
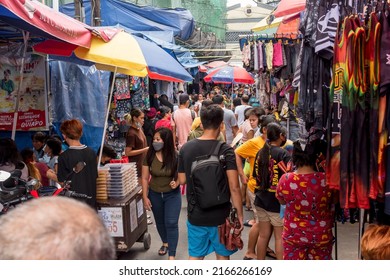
[122,88]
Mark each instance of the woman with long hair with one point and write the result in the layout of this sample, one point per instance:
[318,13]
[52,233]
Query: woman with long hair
[136,144]
[308,218]
[160,189]
[270,164]
[10,158]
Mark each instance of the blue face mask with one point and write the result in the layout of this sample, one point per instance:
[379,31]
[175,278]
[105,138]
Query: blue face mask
[158,146]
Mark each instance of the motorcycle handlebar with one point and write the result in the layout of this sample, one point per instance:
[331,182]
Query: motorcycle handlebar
[74,194]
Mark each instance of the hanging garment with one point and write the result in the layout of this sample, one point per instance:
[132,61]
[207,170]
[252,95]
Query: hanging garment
[277,58]
[372,77]
[255,57]
[354,156]
[260,55]
[269,51]
[326,30]
[339,86]
[246,55]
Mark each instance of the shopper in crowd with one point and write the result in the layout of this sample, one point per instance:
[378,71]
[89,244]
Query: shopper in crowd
[27,155]
[136,145]
[10,158]
[202,224]
[183,118]
[250,126]
[38,142]
[375,243]
[108,154]
[239,111]
[165,119]
[85,181]
[248,151]
[165,102]
[161,191]
[229,120]
[197,128]
[149,124]
[270,164]
[308,217]
[54,228]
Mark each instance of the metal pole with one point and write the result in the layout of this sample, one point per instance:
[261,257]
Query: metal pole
[107,113]
[361,230]
[26,36]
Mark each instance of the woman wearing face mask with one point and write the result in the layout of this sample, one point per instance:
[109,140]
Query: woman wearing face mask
[136,144]
[160,189]
[270,164]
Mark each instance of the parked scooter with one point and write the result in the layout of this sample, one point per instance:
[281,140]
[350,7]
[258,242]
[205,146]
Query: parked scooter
[14,190]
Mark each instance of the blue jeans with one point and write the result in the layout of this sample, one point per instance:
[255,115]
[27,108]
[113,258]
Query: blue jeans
[166,209]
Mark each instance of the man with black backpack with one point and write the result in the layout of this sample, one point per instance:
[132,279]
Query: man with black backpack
[209,169]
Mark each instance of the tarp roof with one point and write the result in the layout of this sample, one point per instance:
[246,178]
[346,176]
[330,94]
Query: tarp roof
[140,18]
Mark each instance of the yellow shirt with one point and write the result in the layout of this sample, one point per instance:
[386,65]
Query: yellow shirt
[248,150]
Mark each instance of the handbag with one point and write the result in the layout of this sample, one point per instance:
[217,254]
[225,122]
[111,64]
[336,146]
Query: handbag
[230,232]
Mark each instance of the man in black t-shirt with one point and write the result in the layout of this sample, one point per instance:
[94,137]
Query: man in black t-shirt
[203,224]
[83,182]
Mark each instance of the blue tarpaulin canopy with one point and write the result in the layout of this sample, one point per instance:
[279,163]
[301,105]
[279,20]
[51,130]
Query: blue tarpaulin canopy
[140,18]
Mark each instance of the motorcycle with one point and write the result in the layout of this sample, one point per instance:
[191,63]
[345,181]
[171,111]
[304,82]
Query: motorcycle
[14,190]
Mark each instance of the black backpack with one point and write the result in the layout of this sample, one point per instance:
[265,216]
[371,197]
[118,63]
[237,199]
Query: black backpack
[209,179]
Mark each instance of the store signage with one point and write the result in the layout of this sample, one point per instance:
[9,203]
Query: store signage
[113,220]
[32,113]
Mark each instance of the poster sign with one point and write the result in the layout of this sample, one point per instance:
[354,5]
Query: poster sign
[32,96]
[113,220]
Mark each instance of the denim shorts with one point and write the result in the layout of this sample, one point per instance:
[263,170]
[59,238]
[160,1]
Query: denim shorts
[205,240]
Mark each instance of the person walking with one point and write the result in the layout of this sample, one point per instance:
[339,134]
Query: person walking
[202,224]
[267,171]
[229,119]
[308,217]
[85,181]
[248,151]
[183,118]
[136,144]
[161,191]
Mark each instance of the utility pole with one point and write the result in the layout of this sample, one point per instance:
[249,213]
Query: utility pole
[77,10]
[96,15]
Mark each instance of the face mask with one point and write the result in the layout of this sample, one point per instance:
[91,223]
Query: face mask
[138,125]
[158,146]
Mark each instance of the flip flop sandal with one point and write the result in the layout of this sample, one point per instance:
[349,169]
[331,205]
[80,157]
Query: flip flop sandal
[247,224]
[271,254]
[163,250]
[149,222]
[247,258]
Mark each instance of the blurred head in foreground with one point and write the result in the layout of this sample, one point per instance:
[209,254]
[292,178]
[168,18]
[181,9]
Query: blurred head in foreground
[54,228]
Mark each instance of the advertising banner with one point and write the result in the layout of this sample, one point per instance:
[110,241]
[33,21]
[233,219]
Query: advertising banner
[32,96]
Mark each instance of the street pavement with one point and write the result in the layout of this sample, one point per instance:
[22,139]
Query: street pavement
[347,241]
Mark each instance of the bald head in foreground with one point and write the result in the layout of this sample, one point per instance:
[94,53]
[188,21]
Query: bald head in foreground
[54,228]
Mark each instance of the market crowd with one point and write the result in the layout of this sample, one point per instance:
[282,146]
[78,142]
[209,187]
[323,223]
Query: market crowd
[280,180]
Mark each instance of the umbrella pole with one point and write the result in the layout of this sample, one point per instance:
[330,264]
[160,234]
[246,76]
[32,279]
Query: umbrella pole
[107,113]
[26,35]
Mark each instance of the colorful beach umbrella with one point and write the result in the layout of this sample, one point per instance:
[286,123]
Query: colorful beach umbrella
[229,75]
[124,53]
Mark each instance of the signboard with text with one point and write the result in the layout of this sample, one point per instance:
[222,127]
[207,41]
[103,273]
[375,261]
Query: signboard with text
[32,113]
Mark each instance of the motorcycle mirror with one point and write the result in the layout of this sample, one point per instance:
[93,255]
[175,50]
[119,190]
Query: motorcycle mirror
[4,175]
[32,182]
[79,166]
